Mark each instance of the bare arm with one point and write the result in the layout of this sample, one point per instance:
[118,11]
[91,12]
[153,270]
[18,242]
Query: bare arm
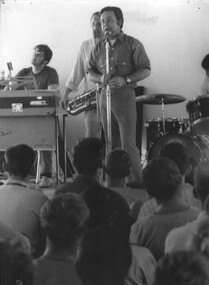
[78,72]
[64,99]
[118,81]
[96,77]
[53,87]
[140,75]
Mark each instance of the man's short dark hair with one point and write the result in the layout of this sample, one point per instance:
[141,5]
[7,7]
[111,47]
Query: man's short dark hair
[118,164]
[117,11]
[177,152]
[107,208]
[103,258]
[19,160]
[64,219]
[205,62]
[161,178]
[47,52]
[87,156]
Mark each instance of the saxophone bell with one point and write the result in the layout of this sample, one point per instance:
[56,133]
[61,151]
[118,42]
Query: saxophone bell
[81,103]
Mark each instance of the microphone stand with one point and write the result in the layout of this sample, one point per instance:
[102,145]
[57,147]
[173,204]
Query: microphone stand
[99,130]
[108,99]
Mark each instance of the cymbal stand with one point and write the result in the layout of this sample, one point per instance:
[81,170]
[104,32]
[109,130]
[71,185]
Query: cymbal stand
[163,114]
[108,99]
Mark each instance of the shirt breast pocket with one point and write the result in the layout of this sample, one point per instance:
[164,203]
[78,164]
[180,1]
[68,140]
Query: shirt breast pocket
[123,67]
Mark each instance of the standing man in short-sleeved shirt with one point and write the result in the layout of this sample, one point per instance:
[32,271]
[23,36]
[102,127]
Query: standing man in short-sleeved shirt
[128,64]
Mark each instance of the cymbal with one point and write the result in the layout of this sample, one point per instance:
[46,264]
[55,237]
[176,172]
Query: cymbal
[158,99]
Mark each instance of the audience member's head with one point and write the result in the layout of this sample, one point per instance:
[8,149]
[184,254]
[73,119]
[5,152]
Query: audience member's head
[118,164]
[201,181]
[19,160]
[178,153]
[64,219]
[182,268]
[87,156]
[161,178]
[107,209]
[103,259]
[15,264]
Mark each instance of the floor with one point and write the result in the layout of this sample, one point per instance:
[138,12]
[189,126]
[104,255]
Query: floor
[49,191]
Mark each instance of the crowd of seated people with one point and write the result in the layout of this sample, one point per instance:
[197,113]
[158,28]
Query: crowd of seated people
[87,232]
[178,153]
[163,181]
[179,238]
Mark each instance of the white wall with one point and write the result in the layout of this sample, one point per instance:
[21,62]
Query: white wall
[174,33]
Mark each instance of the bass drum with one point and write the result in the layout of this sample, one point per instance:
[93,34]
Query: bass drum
[197,145]
[155,128]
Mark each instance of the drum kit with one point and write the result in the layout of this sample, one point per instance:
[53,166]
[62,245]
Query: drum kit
[192,132]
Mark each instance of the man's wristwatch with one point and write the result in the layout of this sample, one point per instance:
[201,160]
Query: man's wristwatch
[128,80]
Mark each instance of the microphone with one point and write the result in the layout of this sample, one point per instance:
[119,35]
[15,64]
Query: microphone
[10,68]
[9,65]
[107,35]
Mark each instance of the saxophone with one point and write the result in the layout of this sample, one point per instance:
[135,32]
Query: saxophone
[83,102]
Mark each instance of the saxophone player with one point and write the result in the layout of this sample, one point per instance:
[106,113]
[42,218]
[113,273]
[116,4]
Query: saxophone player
[79,74]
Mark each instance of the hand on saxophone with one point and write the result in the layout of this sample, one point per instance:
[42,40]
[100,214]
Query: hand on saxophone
[64,100]
[105,78]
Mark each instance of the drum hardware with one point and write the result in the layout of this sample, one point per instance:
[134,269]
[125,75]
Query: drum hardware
[184,125]
[161,99]
[198,110]
[157,99]
[154,128]
[163,114]
[197,145]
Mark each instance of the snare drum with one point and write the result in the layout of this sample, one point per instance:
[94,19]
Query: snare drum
[197,145]
[198,110]
[155,128]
